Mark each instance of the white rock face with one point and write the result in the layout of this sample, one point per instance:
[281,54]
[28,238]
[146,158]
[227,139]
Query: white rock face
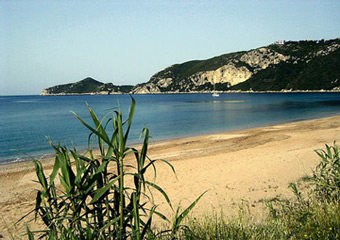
[44,92]
[231,74]
[329,50]
[164,82]
[103,93]
[148,88]
[263,57]
[226,74]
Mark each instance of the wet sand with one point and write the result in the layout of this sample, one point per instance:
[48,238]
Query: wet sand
[244,166]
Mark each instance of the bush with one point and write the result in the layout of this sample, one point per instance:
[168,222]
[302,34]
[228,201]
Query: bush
[326,176]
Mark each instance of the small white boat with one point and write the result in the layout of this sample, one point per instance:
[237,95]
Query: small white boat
[215,94]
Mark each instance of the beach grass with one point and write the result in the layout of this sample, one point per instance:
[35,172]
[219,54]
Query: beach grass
[311,214]
[321,223]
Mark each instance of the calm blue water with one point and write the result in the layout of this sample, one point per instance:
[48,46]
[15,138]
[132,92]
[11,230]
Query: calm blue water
[25,121]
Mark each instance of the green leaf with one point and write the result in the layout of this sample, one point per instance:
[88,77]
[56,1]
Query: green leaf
[37,204]
[120,134]
[161,191]
[100,129]
[67,176]
[105,138]
[162,216]
[102,167]
[180,217]
[147,226]
[40,174]
[29,233]
[145,146]
[136,226]
[101,191]
[66,187]
[131,113]
[55,170]
[110,223]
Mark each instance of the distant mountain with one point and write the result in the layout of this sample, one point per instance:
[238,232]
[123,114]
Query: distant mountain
[86,86]
[291,65]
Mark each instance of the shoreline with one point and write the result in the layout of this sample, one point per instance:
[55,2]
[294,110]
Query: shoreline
[192,92]
[246,166]
[47,156]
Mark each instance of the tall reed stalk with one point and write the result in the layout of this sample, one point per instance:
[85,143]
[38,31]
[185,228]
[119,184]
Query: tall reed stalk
[94,200]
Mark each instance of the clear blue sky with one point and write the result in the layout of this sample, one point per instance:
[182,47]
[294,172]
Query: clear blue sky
[46,43]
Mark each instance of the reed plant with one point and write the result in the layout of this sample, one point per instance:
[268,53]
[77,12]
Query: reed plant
[102,196]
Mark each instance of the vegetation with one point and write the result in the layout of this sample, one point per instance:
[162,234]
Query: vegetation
[321,72]
[302,49]
[310,66]
[185,70]
[88,85]
[310,215]
[105,197]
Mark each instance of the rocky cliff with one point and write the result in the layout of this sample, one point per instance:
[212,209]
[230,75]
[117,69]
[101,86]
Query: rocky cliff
[293,65]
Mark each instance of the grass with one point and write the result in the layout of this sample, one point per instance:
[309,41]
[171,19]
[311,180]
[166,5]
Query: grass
[313,214]
[323,223]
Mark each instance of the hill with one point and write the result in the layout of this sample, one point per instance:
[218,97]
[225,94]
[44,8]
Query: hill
[291,65]
[282,66]
[86,86]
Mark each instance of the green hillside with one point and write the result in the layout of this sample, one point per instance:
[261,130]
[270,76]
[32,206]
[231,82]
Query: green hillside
[87,85]
[294,65]
[320,73]
[185,70]
[309,72]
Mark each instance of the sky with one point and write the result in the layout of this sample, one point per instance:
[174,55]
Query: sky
[47,43]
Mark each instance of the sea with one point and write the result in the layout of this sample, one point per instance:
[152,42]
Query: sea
[27,122]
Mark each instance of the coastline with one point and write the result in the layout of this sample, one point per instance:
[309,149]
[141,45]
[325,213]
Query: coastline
[191,92]
[249,165]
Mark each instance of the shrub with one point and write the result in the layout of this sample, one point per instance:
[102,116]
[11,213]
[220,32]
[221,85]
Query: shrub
[326,176]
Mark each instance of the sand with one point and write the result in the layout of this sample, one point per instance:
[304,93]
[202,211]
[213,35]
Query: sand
[245,166]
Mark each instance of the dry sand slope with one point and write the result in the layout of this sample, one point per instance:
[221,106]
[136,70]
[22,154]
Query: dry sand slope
[251,165]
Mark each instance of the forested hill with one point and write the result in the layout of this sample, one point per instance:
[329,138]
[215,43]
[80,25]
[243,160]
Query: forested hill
[86,86]
[290,65]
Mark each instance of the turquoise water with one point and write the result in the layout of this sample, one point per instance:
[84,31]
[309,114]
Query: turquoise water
[25,121]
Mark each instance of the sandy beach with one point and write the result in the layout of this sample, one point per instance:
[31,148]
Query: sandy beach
[249,166]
